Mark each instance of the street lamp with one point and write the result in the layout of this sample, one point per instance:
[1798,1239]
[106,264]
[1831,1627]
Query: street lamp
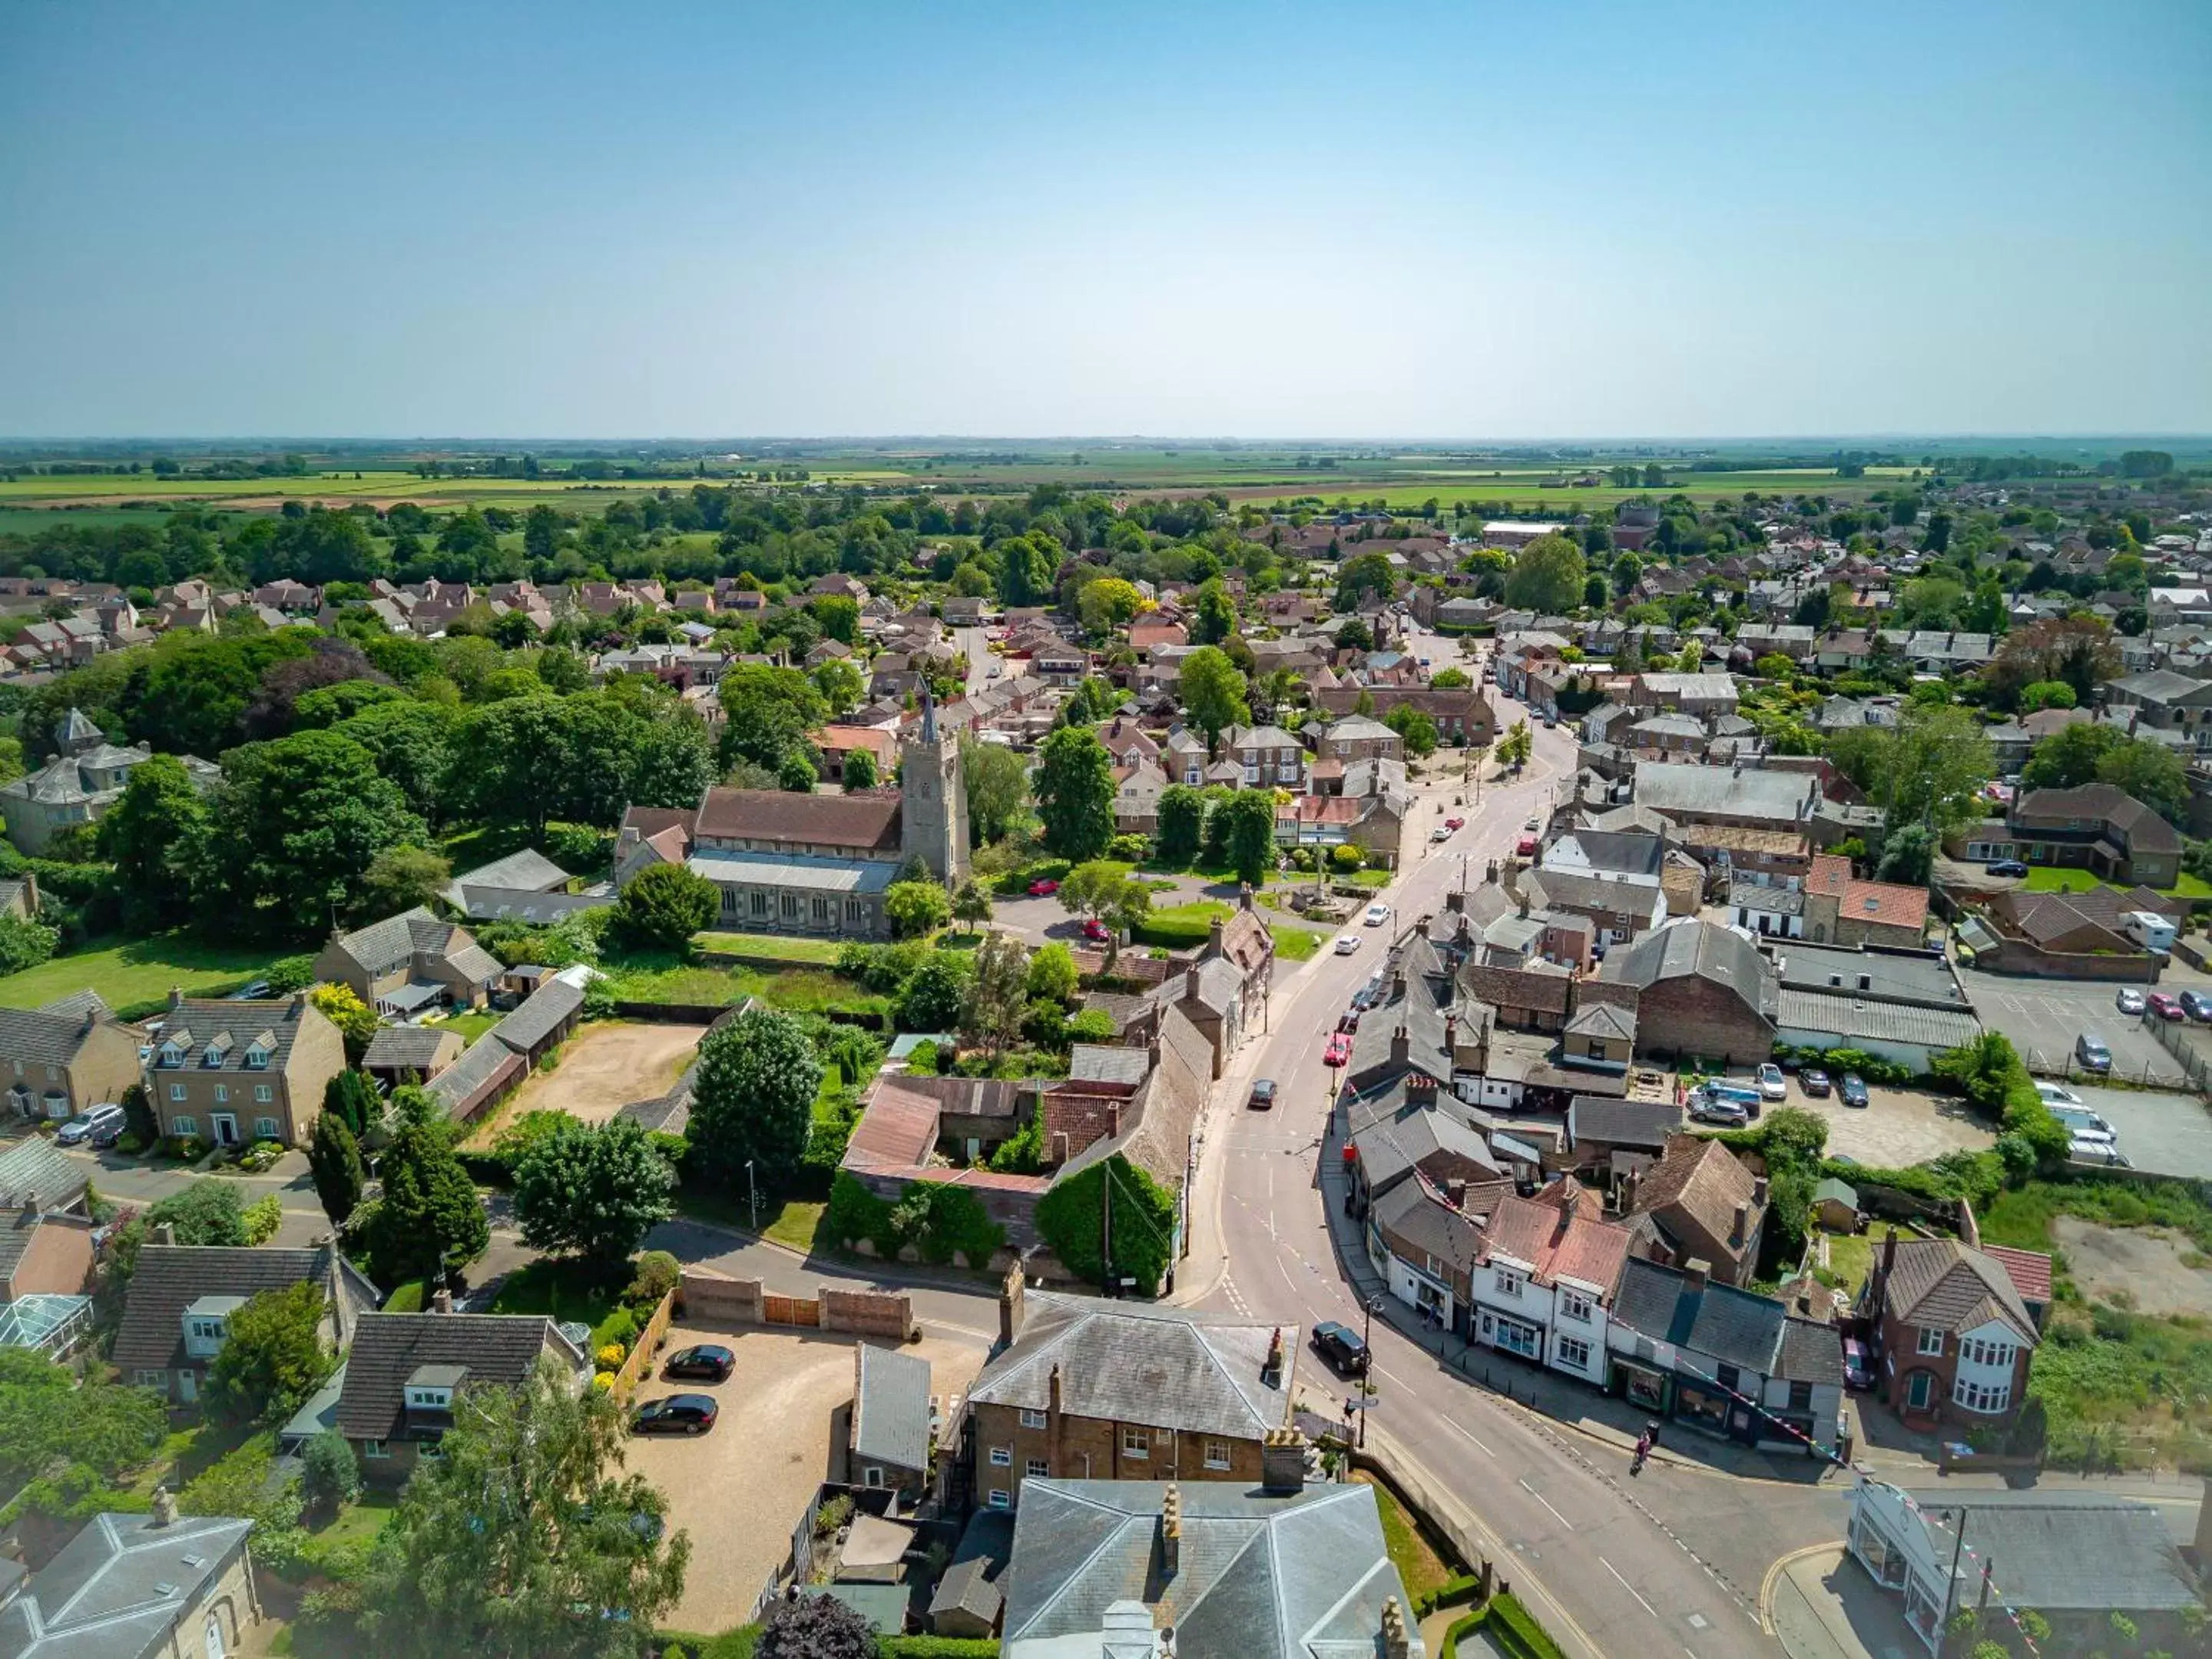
[752,1189]
[1366,1377]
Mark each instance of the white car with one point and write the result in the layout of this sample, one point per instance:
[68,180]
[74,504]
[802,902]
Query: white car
[996,669]
[1532,824]
[2130,1000]
[2097,1151]
[1346,943]
[1773,1085]
[1377,915]
[1440,834]
[2053,1094]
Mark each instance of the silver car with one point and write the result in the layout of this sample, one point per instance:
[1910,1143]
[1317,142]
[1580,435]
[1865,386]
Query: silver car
[2130,1000]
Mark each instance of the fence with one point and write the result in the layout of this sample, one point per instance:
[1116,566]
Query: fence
[2176,1038]
[638,1366]
[708,1298]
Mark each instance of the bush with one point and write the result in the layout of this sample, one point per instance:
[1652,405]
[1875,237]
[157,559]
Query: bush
[1068,1218]
[185,1149]
[1347,857]
[922,1060]
[329,1474]
[261,1156]
[1129,849]
[935,1647]
[263,1217]
[656,1274]
[854,1213]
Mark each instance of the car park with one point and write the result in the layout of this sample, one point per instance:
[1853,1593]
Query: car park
[2082,1124]
[1341,1347]
[1263,1095]
[2055,1095]
[1044,889]
[1852,1091]
[2130,1000]
[2197,1005]
[677,1413]
[101,1126]
[2165,1006]
[1346,943]
[2105,1153]
[1376,914]
[2010,868]
[2092,1054]
[1773,1085]
[708,1362]
[1814,1082]
[1718,1109]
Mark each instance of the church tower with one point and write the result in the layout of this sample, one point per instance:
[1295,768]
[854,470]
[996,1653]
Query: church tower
[934,799]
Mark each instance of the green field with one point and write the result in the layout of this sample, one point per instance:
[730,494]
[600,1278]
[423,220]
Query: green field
[137,971]
[780,946]
[2047,880]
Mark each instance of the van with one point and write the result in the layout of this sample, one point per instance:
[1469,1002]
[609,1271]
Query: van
[2091,1054]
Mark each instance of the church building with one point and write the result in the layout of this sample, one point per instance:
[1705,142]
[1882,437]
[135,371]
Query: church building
[790,863]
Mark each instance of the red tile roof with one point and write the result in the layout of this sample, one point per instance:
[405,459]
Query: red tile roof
[2029,1270]
[866,823]
[1885,903]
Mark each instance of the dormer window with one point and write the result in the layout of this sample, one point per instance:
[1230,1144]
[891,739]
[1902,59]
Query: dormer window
[257,1057]
[435,1399]
[172,1053]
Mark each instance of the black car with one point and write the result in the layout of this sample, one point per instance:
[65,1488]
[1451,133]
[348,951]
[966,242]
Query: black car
[2009,868]
[1341,1347]
[1263,1094]
[680,1414]
[2196,1005]
[1852,1089]
[710,1362]
[1813,1081]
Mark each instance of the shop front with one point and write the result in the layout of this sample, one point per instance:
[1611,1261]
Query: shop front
[1510,1335]
[1705,1406]
[1644,1386]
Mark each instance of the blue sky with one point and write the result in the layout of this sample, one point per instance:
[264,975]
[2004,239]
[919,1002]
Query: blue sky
[1257,220]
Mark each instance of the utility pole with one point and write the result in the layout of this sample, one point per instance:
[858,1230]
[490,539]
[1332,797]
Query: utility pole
[1366,1386]
[1951,1586]
[1106,1225]
[753,1190]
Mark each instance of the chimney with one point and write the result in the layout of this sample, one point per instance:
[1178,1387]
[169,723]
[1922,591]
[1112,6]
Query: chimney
[1282,1461]
[1758,1192]
[165,1507]
[1628,1193]
[1190,984]
[1888,1253]
[1009,1306]
[1421,926]
[1697,1273]
[442,1300]
[1452,1032]
[1214,937]
[1245,896]
[166,1233]
[1742,1225]
[176,998]
[297,1006]
[1397,1640]
[1456,1192]
[1397,983]
[1402,1048]
[1170,1530]
[1271,1367]
[1052,1392]
[1970,1230]
[31,1205]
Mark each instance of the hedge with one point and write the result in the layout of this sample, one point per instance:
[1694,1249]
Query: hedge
[1463,1587]
[936,1647]
[1068,1218]
[939,1220]
[1514,1628]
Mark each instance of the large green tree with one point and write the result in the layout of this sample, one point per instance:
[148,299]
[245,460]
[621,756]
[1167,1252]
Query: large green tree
[768,713]
[272,1357]
[401,878]
[753,1100]
[664,904]
[411,744]
[523,1540]
[334,1164]
[1181,823]
[1075,794]
[1212,690]
[429,1219]
[148,836]
[2153,774]
[54,1424]
[1248,832]
[1548,576]
[592,1191]
[998,785]
[1214,617]
[996,994]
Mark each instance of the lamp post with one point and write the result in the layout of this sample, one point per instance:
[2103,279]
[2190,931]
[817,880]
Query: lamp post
[1366,1384]
[752,1189]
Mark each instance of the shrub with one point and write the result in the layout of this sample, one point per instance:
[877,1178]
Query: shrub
[263,1217]
[329,1474]
[854,1213]
[656,1274]
[185,1149]
[1347,857]
[260,1156]
[1068,1218]
[922,1060]
[609,1357]
[1127,849]
[1091,1025]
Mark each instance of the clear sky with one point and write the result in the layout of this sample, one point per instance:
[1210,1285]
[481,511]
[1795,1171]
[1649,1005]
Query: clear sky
[1544,219]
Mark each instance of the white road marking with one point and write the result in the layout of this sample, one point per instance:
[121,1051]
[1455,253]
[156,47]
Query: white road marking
[1470,1434]
[1547,1503]
[1630,1588]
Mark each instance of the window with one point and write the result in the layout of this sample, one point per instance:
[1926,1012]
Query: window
[1002,1457]
[822,910]
[1037,1466]
[373,1449]
[872,1475]
[760,903]
[263,1093]
[1136,1443]
[1573,1304]
[222,1093]
[184,1126]
[1931,1341]
[1801,1396]
[1217,1454]
[1983,1352]
[1573,1352]
[999,1500]
[434,1399]
[1728,1377]
[176,1091]
[1509,1282]
[1032,1419]
[1982,1396]
[265,1128]
[150,1379]
[790,907]
[256,1059]
[855,911]
[204,1329]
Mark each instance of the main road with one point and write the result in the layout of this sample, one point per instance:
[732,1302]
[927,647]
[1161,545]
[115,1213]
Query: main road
[1671,1563]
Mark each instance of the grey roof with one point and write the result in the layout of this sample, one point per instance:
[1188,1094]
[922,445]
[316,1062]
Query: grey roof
[120,1588]
[972,1582]
[170,1277]
[1693,946]
[38,1037]
[1149,1364]
[890,1408]
[1718,1321]
[1603,1019]
[1220,986]
[77,1004]
[1261,1575]
[1891,976]
[2078,1551]
[1583,889]
[1622,1122]
[1840,1015]
[1389,1147]
[199,1026]
[668,1114]
[1732,791]
[803,871]
[529,870]
[1627,852]
[397,941]
[540,1014]
[477,1069]
[408,1047]
[1411,1213]
[1811,1352]
[1764,896]
[388,1348]
[1098,1062]
[37,1165]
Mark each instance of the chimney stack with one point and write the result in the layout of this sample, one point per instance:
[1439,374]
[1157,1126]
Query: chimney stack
[1402,1048]
[1397,983]
[166,1233]
[1697,1273]
[176,998]
[1421,926]
[1190,984]
[1397,1640]
[442,1300]
[1213,946]
[1758,1192]
[165,1507]
[1889,1253]
[1271,1368]
[1970,1230]
[1009,1306]
[1170,1530]
[1742,1225]
[31,1205]
[1282,1461]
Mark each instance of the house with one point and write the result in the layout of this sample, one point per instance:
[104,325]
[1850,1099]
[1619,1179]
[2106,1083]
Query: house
[1549,1266]
[1840,908]
[1700,990]
[408,963]
[1426,1242]
[78,786]
[35,1168]
[230,1072]
[176,1313]
[1612,1139]
[889,1439]
[1400,1133]
[2166,701]
[836,743]
[55,1064]
[1725,1361]
[1750,797]
[2097,827]
[405,1372]
[1697,1202]
[154,1586]
[2079,1559]
[1904,1005]
[2065,935]
[1277,1570]
[1137,791]
[1952,1333]
[411,1053]
[1619,906]
[1106,1390]
[1266,756]
[1358,737]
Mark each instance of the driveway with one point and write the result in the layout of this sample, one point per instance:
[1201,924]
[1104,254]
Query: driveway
[741,1488]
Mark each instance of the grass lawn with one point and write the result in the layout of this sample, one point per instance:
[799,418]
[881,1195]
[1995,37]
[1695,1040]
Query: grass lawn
[1418,1562]
[797,989]
[1294,943]
[791,1222]
[2043,879]
[563,1289]
[795,1224]
[779,946]
[470,1026]
[1851,1255]
[137,971]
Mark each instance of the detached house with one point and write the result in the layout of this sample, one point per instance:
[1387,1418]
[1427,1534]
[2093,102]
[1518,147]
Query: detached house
[232,1071]
[1955,1328]
[2098,828]
[410,962]
[176,1316]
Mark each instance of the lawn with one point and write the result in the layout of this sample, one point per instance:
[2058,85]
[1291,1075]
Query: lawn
[795,989]
[470,1026]
[1851,1255]
[779,946]
[1294,943]
[1419,1565]
[563,1290]
[2045,879]
[137,972]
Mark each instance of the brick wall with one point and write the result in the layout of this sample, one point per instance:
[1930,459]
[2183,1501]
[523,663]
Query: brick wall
[1694,1016]
[708,1299]
[1093,1448]
[868,1313]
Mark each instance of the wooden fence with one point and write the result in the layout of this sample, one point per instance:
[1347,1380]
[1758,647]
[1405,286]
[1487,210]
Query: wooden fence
[638,1366]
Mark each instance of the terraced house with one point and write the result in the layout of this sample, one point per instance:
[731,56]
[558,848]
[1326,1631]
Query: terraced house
[231,1073]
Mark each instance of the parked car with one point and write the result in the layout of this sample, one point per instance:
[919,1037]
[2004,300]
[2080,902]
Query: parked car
[2130,1000]
[2105,1153]
[1348,1021]
[101,1125]
[2012,867]
[1525,847]
[1440,834]
[1376,914]
[1712,1108]
[2057,1094]
[2196,1005]
[1858,1364]
[1852,1089]
[1346,943]
[1534,824]
[1773,1085]
[2083,1124]
[677,1413]
[1341,1347]
[1094,930]
[2164,1005]
[2091,1054]
[1455,824]
[1263,1095]
[1814,1082]
[710,1362]
[1044,889]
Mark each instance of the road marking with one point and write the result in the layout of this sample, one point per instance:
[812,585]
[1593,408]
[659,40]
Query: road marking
[1546,1502]
[1630,1588]
[1470,1434]
[1774,1571]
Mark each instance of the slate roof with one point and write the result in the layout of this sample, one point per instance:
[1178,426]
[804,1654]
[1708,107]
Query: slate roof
[528,871]
[411,1048]
[38,1037]
[1693,946]
[77,1004]
[1623,1122]
[388,1348]
[1391,1147]
[120,1588]
[170,1277]
[1603,1019]
[483,1066]
[1812,1352]
[1950,1285]
[890,1408]
[1414,1215]
[197,1025]
[396,941]
[1297,1574]
[2061,1551]
[1152,1364]
[1720,1322]
[1625,851]
[541,1013]
[1701,1180]
[37,1165]
[1098,1062]
[1734,792]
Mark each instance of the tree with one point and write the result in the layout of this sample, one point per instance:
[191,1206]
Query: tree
[402,879]
[795,774]
[664,905]
[1075,794]
[521,1539]
[355,1020]
[2152,773]
[935,992]
[205,1213]
[1414,728]
[839,682]
[2070,757]
[273,1356]
[25,942]
[860,771]
[334,1162]
[1366,575]
[1515,748]
[998,788]
[411,743]
[1107,603]
[971,904]
[1106,890]
[2046,694]
[1450,679]
[1181,823]
[767,714]
[330,1474]
[46,1420]
[1353,635]
[352,1099]
[1774,667]
[916,909]
[1930,769]
[1212,690]
[2077,649]
[138,1118]
[753,1100]
[147,835]
[1052,973]
[815,1625]
[1548,576]
[430,1220]
[996,994]
[839,615]
[1248,831]
[1214,617]
[593,1192]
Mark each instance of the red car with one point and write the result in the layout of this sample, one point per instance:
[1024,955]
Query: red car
[1094,930]
[1455,824]
[1339,1052]
[2167,1005]
[1526,847]
[1044,888]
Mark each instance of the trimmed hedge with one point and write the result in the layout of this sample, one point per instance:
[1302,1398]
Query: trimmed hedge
[936,1647]
[1514,1628]
[1464,1587]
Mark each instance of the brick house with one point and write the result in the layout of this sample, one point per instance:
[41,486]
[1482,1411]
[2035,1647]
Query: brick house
[1954,1333]
[1841,909]
[233,1072]
[56,1060]
[1082,1389]
[1700,990]
[409,961]
[1267,756]
[1696,1203]
[46,1221]
[1358,737]
[176,1314]
[2097,827]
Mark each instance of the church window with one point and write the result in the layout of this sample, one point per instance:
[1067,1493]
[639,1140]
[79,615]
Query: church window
[790,907]
[760,902]
[822,911]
